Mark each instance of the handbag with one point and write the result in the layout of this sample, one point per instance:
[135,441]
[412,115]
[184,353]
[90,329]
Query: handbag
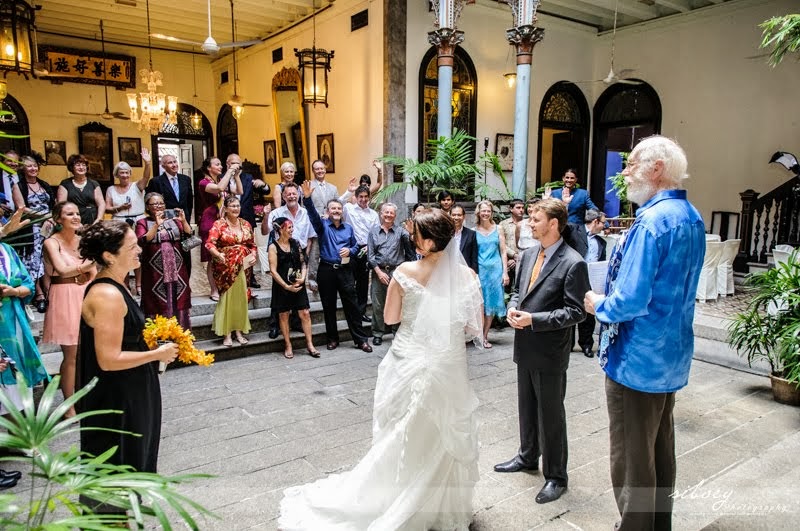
[191,242]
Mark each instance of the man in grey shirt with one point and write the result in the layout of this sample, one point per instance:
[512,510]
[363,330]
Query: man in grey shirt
[388,246]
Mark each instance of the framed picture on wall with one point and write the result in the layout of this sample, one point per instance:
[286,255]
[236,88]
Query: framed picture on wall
[325,151]
[55,152]
[130,151]
[504,148]
[284,146]
[270,159]
[94,142]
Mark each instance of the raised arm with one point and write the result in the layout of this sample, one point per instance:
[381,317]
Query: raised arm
[313,215]
[378,180]
[147,159]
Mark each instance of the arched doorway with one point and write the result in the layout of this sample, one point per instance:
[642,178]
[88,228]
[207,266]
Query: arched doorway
[623,115]
[464,102]
[563,134]
[465,96]
[227,133]
[189,145]
[15,123]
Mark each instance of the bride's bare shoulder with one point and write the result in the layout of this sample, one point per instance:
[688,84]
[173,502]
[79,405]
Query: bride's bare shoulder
[410,269]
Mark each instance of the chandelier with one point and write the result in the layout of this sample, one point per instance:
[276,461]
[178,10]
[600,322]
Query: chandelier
[315,63]
[151,109]
[17,40]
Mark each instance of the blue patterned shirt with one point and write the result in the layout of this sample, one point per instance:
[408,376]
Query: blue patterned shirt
[647,339]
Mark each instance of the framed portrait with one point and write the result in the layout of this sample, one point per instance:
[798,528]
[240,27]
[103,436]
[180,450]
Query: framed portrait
[55,152]
[284,147]
[270,160]
[504,148]
[94,142]
[130,151]
[325,151]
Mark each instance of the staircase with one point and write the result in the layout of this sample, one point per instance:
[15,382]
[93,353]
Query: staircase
[259,341]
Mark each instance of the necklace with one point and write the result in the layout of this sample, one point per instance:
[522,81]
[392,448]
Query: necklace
[80,186]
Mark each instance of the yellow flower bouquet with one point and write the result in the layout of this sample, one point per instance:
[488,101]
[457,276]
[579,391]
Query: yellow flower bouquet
[166,329]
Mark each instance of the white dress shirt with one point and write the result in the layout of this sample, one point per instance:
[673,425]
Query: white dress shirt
[362,220]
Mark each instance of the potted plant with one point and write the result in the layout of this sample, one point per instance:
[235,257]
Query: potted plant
[449,168]
[64,480]
[769,329]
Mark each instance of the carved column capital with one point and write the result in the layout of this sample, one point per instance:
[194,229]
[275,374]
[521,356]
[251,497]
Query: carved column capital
[525,38]
[445,40]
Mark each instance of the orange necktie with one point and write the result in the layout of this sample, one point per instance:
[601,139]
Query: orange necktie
[537,267]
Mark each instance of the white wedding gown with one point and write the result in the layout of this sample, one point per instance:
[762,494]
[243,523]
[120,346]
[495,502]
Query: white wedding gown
[421,470]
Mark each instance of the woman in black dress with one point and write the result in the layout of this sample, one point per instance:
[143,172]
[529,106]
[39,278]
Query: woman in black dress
[82,191]
[287,266]
[113,349]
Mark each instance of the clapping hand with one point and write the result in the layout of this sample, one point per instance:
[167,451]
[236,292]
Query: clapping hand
[566,196]
[518,319]
[548,193]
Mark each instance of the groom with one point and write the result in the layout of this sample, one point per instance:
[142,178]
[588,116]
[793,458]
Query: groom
[546,303]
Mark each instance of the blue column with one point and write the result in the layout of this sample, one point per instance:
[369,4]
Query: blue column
[445,115]
[521,113]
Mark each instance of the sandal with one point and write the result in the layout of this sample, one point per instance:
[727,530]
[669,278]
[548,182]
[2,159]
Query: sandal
[241,339]
[227,342]
[214,298]
[288,354]
[486,344]
[314,353]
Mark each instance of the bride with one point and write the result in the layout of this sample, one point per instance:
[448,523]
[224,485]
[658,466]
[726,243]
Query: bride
[421,470]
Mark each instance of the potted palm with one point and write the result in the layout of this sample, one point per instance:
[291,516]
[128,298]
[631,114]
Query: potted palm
[769,328]
[449,168]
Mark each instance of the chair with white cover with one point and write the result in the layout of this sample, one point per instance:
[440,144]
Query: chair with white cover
[781,255]
[725,268]
[707,285]
[713,238]
[785,248]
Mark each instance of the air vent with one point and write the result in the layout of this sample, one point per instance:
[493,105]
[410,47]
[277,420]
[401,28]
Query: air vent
[359,20]
[277,55]
[223,77]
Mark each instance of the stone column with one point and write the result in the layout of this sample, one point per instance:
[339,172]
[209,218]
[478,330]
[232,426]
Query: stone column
[524,38]
[394,89]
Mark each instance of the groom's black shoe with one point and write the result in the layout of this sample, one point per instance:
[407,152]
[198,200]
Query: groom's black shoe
[515,465]
[550,492]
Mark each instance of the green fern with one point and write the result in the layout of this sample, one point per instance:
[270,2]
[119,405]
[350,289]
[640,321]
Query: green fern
[782,34]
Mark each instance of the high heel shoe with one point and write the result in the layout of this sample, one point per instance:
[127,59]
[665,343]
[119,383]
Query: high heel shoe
[41,305]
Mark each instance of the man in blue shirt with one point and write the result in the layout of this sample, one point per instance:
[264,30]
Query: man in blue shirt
[337,249]
[576,199]
[646,338]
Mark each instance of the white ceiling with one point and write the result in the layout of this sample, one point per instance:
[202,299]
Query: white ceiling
[125,21]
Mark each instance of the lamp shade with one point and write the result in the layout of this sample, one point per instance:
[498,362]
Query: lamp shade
[315,63]
[787,160]
[17,36]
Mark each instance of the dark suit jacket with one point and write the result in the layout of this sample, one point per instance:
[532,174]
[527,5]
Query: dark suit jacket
[556,304]
[469,248]
[580,241]
[161,185]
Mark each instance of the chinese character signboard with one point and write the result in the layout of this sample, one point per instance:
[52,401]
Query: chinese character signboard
[87,66]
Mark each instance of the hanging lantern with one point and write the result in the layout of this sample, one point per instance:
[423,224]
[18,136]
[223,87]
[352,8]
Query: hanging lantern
[17,37]
[315,63]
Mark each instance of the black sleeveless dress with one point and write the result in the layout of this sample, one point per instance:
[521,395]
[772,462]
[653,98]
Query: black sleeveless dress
[136,392]
[83,199]
[289,264]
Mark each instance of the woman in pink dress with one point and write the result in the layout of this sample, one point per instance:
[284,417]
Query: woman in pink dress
[69,275]
[213,190]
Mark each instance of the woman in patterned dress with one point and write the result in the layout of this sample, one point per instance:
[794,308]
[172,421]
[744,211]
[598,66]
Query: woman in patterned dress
[165,276]
[492,267]
[39,199]
[230,243]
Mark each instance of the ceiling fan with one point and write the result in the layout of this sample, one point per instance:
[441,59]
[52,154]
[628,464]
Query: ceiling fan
[209,46]
[106,114]
[622,75]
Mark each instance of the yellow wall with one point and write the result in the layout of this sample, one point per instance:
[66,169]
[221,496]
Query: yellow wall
[48,105]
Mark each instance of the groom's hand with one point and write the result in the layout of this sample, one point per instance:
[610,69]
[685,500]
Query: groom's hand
[518,319]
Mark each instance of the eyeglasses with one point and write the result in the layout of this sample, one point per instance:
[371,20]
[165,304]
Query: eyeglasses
[156,204]
[80,164]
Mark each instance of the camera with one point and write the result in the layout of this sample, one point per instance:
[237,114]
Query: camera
[170,214]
